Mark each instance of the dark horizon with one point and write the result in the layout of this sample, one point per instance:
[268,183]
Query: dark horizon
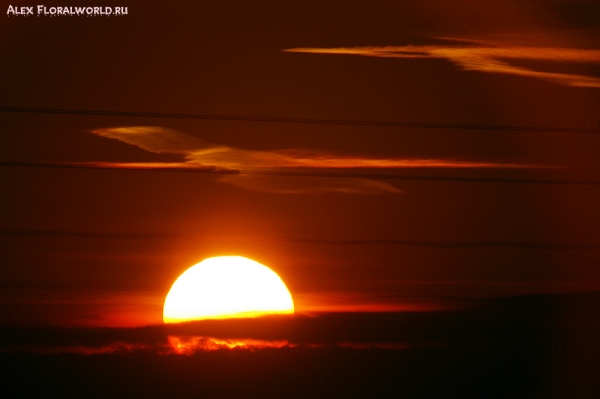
[511,347]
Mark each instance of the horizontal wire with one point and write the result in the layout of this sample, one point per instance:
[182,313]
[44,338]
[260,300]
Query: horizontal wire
[66,165]
[428,178]
[308,241]
[317,121]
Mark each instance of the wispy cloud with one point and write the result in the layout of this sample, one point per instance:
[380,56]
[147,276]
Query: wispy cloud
[154,138]
[189,345]
[198,154]
[320,330]
[485,56]
[306,185]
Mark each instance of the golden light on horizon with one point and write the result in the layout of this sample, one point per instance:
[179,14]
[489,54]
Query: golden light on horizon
[187,345]
[226,287]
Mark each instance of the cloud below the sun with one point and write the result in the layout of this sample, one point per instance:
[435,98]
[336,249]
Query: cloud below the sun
[198,154]
[485,56]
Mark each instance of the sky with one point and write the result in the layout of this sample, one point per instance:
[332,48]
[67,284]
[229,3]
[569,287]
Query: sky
[389,156]
[422,174]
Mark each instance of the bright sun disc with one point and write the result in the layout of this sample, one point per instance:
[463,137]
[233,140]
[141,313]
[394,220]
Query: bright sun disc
[224,287]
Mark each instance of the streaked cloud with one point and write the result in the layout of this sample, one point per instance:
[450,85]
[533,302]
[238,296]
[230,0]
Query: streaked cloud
[485,56]
[199,155]
[320,330]
[154,138]
[162,166]
[189,345]
[306,185]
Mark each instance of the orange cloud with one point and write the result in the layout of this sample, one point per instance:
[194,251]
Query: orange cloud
[308,185]
[200,153]
[188,345]
[485,56]
[154,138]
[162,166]
[247,159]
[233,162]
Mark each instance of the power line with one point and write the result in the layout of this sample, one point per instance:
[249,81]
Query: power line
[429,178]
[66,165]
[83,234]
[315,121]
[307,241]
[344,175]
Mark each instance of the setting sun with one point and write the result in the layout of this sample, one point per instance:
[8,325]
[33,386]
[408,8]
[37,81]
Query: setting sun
[226,287]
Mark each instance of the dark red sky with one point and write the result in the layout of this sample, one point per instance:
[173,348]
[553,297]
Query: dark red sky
[226,58]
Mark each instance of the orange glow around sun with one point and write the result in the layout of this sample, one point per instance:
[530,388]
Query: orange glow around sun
[226,287]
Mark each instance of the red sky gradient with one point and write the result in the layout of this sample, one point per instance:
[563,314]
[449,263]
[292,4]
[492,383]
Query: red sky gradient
[101,247]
